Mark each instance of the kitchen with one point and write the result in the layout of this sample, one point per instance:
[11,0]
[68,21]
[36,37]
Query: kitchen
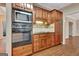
[34,28]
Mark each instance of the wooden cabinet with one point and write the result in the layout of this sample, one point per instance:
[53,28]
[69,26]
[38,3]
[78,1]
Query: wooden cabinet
[44,14]
[23,6]
[40,14]
[58,26]
[36,43]
[53,38]
[57,19]
[36,12]
[49,18]
[43,41]
[34,15]
[59,15]
[56,15]
[49,40]
[58,32]
[17,5]
[57,39]
[22,50]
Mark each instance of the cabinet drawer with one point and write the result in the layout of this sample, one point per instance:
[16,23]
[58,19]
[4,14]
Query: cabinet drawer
[43,36]
[17,51]
[22,50]
[35,36]
[27,50]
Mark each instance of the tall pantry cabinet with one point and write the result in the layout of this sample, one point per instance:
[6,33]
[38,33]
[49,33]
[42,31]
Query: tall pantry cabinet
[57,19]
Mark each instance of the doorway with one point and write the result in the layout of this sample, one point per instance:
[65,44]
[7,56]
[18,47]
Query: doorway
[70,29]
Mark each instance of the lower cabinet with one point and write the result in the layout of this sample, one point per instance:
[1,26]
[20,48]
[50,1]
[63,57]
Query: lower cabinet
[42,38]
[42,41]
[43,44]
[53,38]
[36,43]
[22,50]
[57,39]
[49,40]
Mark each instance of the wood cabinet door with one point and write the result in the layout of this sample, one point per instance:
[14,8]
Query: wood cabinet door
[40,13]
[49,42]
[57,39]
[43,43]
[58,32]
[49,18]
[18,6]
[44,14]
[37,12]
[43,38]
[52,38]
[54,16]
[27,50]
[36,43]
[59,15]
[34,15]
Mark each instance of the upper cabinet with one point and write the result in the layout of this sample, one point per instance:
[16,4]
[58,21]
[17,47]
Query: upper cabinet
[23,6]
[49,17]
[40,11]
[40,14]
[45,14]
[56,15]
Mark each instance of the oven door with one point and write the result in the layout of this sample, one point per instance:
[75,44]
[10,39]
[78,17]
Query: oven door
[21,27]
[19,39]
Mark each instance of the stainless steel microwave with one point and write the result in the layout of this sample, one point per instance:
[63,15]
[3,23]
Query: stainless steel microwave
[22,16]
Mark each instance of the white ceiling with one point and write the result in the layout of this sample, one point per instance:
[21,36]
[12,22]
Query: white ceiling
[74,16]
[51,6]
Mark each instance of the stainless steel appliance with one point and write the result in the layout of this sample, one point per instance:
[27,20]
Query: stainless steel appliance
[22,16]
[21,28]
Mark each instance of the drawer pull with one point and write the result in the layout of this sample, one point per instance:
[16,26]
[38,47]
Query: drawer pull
[23,47]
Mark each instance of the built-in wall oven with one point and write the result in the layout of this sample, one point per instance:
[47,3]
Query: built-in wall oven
[21,27]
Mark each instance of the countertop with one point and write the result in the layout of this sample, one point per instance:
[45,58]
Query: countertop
[43,33]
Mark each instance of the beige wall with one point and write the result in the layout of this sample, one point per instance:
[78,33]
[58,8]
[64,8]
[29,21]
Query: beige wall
[2,18]
[1,25]
[6,41]
[77,27]
[8,29]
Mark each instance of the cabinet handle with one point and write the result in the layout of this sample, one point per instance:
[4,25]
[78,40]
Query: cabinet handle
[23,47]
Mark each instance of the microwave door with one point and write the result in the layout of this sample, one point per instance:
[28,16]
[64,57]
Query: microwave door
[22,17]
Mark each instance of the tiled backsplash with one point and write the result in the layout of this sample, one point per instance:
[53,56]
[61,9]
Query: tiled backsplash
[40,29]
